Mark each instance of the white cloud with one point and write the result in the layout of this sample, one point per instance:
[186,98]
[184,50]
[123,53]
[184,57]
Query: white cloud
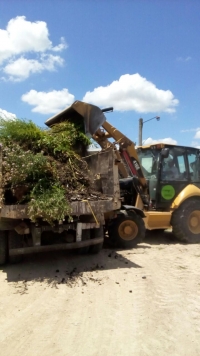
[182,59]
[23,38]
[150,141]
[48,102]
[197,135]
[20,69]
[7,115]
[61,46]
[190,130]
[194,144]
[133,92]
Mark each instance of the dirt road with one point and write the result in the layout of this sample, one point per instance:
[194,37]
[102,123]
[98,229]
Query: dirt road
[141,302]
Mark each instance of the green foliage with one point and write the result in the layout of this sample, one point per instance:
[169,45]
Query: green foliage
[21,166]
[62,137]
[48,202]
[47,163]
[19,131]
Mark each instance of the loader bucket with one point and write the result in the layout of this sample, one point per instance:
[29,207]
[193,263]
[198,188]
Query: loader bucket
[92,115]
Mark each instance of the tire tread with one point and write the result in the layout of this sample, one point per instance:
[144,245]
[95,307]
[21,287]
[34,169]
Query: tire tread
[179,221]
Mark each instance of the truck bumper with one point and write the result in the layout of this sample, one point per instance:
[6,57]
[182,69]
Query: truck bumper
[56,247]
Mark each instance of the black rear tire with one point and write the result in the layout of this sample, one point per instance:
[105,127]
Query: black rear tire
[85,236]
[186,221]
[15,241]
[3,247]
[127,231]
[94,249]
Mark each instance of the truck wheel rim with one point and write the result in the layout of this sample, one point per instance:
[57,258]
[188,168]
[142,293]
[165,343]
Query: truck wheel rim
[128,230]
[194,222]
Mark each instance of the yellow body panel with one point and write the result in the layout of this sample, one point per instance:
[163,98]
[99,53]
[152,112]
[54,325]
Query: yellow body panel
[188,192]
[161,220]
[139,203]
[157,220]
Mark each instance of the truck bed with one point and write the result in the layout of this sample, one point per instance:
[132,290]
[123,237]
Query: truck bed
[104,179]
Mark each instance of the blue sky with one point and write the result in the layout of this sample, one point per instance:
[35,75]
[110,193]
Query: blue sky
[141,57]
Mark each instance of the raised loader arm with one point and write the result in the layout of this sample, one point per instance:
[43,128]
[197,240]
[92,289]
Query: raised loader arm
[126,149]
[127,156]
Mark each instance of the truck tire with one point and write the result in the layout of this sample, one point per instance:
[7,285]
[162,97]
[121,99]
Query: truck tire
[3,247]
[94,249]
[15,241]
[127,231]
[186,221]
[85,236]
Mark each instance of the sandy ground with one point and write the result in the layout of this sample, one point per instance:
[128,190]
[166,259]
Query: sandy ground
[137,302]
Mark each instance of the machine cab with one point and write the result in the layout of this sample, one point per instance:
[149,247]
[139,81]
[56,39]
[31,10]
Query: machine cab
[168,170]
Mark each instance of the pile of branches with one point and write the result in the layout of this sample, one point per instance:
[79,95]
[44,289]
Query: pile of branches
[43,168]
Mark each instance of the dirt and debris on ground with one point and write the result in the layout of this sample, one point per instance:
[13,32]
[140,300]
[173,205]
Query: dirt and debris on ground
[144,301]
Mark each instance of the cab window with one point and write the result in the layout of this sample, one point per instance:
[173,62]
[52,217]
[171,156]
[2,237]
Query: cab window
[194,166]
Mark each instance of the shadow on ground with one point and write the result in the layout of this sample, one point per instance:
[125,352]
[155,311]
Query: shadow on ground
[158,237]
[65,267]
[68,267]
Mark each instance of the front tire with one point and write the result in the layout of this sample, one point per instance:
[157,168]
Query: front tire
[186,222]
[127,231]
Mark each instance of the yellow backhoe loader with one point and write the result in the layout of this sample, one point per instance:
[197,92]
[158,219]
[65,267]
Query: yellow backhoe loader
[162,180]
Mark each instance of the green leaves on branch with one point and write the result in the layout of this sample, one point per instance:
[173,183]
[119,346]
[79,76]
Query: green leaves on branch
[22,131]
[47,163]
[48,203]
[21,166]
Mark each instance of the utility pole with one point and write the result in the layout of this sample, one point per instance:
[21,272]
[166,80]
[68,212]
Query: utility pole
[141,122]
[140,131]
